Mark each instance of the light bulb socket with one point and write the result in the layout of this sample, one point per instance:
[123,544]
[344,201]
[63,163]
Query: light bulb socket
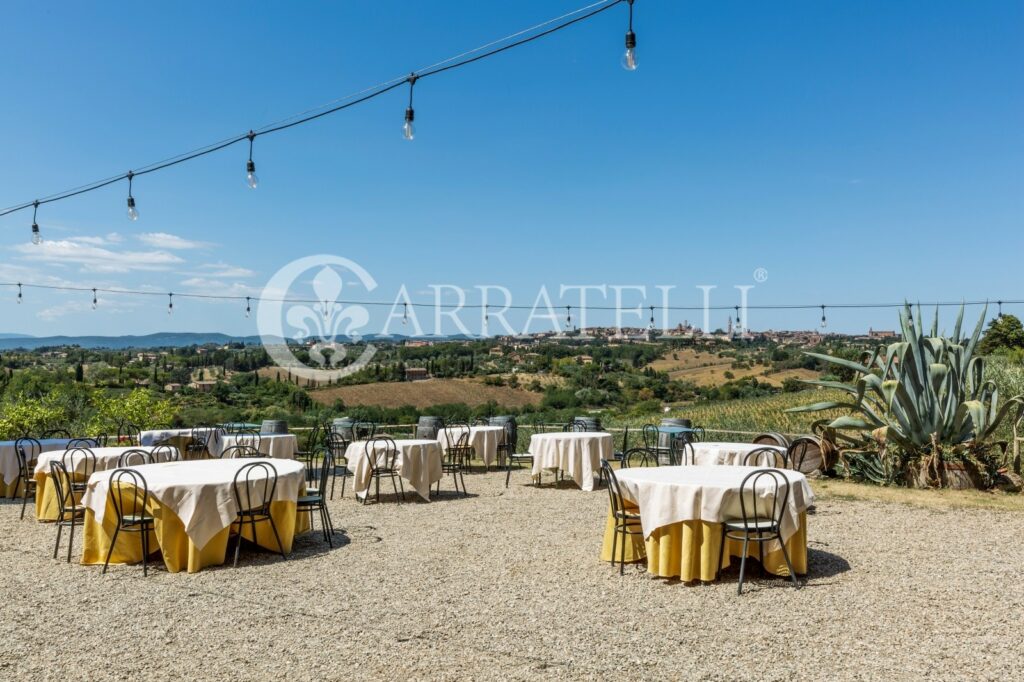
[630,40]
[35,228]
[410,115]
[131,202]
[250,166]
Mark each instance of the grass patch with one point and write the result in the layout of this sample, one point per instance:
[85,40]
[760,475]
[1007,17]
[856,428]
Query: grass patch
[830,489]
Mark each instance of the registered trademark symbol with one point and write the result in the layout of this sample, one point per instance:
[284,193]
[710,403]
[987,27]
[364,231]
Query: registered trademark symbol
[760,275]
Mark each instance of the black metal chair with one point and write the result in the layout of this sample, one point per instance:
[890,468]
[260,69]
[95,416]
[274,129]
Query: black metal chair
[80,464]
[651,435]
[253,500]
[697,435]
[575,426]
[759,523]
[128,434]
[70,512]
[83,443]
[639,457]
[625,444]
[337,446]
[627,522]
[249,437]
[681,452]
[798,449]
[129,496]
[382,455]
[164,452]
[312,446]
[199,437]
[766,457]
[315,498]
[240,451]
[56,434]
[455,458]
[27,451]
[134,457]
[364,430]
[101,440]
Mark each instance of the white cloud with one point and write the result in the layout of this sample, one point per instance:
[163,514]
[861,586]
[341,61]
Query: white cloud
[93,258]
[219,287]
[222,269]
[75,306]
[164,240]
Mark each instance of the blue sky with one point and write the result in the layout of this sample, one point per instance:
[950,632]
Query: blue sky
[857,151]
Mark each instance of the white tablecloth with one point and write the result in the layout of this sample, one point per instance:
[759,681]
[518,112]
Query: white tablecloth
[707,454]
[106,458]
[484,440]
[668,495]
[277,445]
[418,462]
[578,454]
[155,436]
[199,492]
[9,457]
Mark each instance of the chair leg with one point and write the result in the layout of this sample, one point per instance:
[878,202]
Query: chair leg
[24,499]
[56,546]
[343,478]
[394,485]
[622,555]
[508,474]
[145,550]
[462,478]
[721,553]
[743,563]
[401,486]
[615,541]
[334,480]
[273,527]
[789,565]
[71,537]
[110,550]
[238,541]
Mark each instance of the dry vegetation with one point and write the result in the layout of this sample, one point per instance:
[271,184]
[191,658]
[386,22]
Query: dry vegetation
[705,368]
[427,393]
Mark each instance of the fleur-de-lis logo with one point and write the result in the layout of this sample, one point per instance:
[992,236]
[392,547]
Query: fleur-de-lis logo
[324,325]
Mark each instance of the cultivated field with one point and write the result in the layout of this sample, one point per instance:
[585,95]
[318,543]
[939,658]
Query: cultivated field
[427,393]
[704,368]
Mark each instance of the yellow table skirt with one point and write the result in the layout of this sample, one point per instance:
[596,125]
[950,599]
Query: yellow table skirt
[689,550]
[11,490]
[178,550]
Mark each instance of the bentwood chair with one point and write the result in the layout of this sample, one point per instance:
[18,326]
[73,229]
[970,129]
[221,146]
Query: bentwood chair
[627,522]
[455,459]
[80,464]
[697,435]
[516,458]
[249,437]
[253,486]
[312,446]
[240,452]
[315,499]
[680,452]
[638,457]
[70,512]
[364,430]
[27,450]
[761,520]
[134,458]
[766,457]
[382,456]
[128,434]
[129,496]
[575,426]
[337,447]
[164,452]
[57,434]
[83,443]
[799,449]
[198,438]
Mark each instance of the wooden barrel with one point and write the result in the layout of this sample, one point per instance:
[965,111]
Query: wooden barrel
[771,438]
[343,427]
[272,426]
[665,439]
[809,448]
[428,427]
[590,423]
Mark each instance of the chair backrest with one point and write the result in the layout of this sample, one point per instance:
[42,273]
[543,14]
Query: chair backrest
[258,482]
[456,435]
[128,493]
[364,430]
[129,434]
[249,437]
[240,452]
[134,458]
[83,443]
[101,440]
[381,453]
[198,437]
[681,451]
[314,438]
[800,449]
[165,453]
[325,469]
[27,450]
[766,457]
[509,435]
[697,434]
[56,433]
[61,488]
[651,434]
[575,426]
[79,461]
[614,490]
[755,506]
[336,444]
[639,457]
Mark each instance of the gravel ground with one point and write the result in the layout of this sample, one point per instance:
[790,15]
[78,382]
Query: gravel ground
[507,584]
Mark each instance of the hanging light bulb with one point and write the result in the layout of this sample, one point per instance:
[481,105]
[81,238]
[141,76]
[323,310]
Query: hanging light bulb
[629,62]
[19,293]
[568,318]
[248,308]
[652,317]
[486,317]
[37,238]
[405,314]
[824,322]
[250,166]
[170,303]
[1000,304]
[133,213]
[94,299]
[739,325]
[408,130]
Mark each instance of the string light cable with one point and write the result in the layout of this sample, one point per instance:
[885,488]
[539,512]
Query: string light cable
[476,54]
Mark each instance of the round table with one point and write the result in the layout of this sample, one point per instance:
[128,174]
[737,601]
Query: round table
[711,453]
[418,462]
[275,445]
[9,467]
[483,439]
[579,454]
[682,509]
[193,504]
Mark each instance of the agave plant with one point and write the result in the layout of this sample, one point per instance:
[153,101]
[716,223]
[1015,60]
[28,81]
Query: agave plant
[924,398]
